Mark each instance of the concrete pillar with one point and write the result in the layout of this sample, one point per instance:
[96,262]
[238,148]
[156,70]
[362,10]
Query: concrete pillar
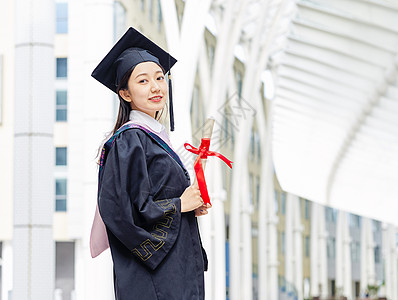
[347,287]
[33,245]
[263,255]
[271,217]
[293,245]
[368,272]
[6,269]
[390,258]
[246,256]
[298,247]
[343,256]
[273,252]
[218,218]
[314,254]
[322,252]
[91,117]
[266,189]
[212,229]
[289,244]
[272,223]
[207,237]
[319,284]
[93,277]
[235,251]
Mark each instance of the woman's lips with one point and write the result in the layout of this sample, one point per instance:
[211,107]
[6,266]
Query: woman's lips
[156,98]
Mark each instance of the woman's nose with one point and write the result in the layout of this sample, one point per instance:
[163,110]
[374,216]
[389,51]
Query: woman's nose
[155,86]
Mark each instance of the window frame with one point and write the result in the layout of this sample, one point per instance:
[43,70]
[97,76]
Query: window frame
[61,19]
[63,74]
[61,197]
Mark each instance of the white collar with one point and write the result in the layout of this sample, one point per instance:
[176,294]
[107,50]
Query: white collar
[141,117]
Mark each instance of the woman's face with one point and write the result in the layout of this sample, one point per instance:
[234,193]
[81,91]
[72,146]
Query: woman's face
[147,88]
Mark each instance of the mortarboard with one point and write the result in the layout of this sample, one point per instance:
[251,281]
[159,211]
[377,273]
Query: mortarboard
[133,48]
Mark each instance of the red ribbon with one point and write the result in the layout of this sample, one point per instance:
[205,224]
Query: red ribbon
[203,152]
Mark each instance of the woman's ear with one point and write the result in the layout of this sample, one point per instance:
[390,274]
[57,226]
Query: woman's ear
[125,95]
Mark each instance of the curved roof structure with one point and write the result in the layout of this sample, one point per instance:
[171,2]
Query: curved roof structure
[335,120]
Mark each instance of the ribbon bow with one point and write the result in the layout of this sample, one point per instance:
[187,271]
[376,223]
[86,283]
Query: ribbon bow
[203,152]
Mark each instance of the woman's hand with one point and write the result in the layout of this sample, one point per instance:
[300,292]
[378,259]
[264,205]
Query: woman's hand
[201,211]
[191,200]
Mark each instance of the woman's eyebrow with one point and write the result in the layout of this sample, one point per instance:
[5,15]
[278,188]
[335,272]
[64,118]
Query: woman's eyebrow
[159,71]
[141,74]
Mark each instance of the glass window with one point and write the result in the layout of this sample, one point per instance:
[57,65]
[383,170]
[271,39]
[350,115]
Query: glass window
[65,269]
[258,146]
[331,214]
[239,83]
[62,67]
[377,255]
[60,194]
[307,246]
[257,191]
[276,194]
[355,221]
[251,189]
[283,203]
[306,209]
[283,242]
[60,156]
[61,107]
[307,286]
[160,17]
[355,251]
[252,143]
[211,57]
[150,10]
[232,131]
[61,17]
[119,20]
[331,247]
[376,225]
[226,130]
[195,106]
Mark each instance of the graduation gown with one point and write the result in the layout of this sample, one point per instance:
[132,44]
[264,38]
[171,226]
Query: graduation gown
[156,249]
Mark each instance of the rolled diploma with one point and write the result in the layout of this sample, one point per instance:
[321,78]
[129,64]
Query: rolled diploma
[207,133]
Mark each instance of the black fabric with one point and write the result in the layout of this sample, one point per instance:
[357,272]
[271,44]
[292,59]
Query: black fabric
[156,249]
[131,49]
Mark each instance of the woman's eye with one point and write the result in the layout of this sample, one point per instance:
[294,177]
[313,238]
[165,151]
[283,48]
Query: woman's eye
[143,81]
[160,77]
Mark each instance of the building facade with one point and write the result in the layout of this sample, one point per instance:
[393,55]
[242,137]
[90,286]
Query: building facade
[262,242]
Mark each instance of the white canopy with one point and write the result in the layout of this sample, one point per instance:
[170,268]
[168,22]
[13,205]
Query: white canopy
[335,120]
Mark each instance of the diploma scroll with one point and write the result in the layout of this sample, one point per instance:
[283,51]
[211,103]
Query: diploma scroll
[200,162]
[206,134]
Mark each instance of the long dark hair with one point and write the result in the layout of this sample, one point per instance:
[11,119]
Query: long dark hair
[124,106]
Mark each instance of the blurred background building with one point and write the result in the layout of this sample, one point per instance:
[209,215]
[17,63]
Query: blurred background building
[305,98]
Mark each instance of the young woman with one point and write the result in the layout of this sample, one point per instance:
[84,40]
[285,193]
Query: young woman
[144,194]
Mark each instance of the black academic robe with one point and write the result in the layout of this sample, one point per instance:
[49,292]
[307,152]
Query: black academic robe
[156,249]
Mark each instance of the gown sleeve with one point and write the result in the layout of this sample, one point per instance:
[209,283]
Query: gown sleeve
[146,226]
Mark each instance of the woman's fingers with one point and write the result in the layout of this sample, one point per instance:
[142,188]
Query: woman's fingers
[201,211]
[191,199]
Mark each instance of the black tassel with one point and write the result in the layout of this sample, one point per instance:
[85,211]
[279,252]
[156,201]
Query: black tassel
[171,105]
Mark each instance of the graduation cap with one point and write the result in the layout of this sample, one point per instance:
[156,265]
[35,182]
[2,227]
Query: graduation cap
[133,48]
